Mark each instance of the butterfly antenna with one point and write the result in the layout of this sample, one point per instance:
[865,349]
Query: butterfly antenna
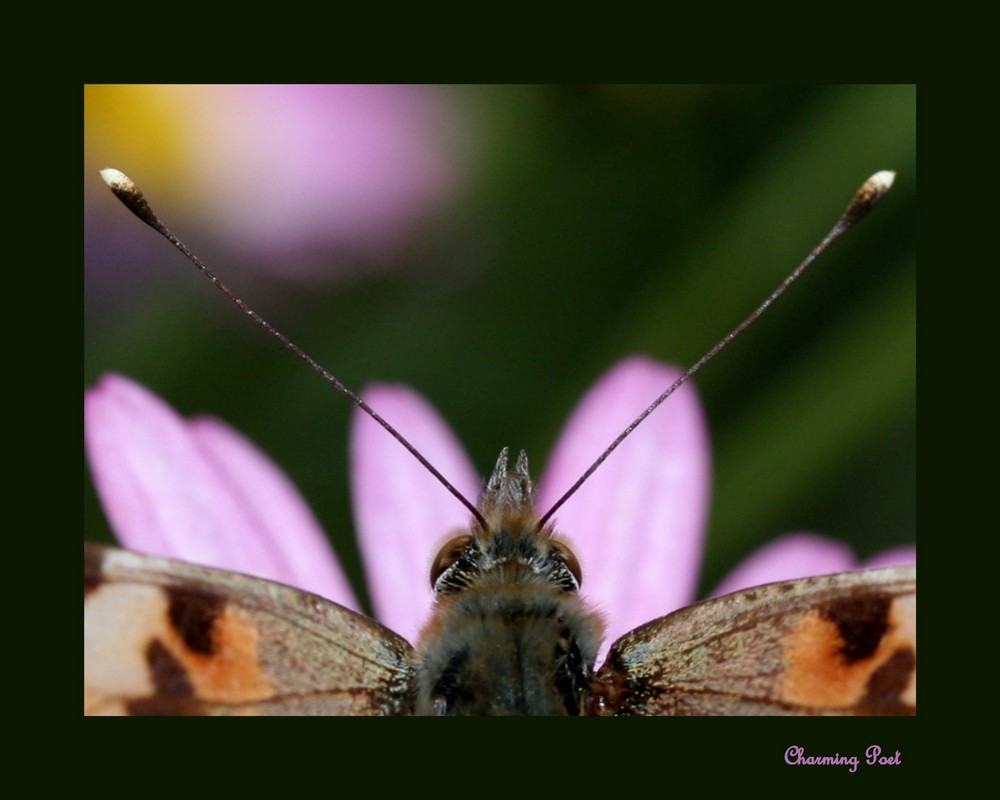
[134,200]
[863,202]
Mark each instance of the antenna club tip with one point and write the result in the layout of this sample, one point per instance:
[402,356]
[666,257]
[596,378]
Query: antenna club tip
[867,196]
[881,181]
[124,188]
[117,180]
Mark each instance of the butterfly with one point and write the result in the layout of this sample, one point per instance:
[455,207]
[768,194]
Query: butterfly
[508,635]
[167,637]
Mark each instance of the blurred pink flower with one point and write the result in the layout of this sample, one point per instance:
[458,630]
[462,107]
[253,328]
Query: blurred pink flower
[349,169]
[198,491]
[285,175]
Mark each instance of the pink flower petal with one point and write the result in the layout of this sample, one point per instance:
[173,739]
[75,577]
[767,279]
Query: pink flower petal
[637,526]
[796,555]
[897,557]
[276,511]
[194,491]
[402,513]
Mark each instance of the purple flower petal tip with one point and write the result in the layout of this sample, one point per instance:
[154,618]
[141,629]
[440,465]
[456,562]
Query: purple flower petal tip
[796,555]
[201,492]
[638,524]
[897,557]
[803,555]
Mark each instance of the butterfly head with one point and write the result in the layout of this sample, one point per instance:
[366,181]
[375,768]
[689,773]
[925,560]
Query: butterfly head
[511,547]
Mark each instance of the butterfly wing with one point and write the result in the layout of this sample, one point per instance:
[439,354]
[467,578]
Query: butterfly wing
[164,637]
[839,644]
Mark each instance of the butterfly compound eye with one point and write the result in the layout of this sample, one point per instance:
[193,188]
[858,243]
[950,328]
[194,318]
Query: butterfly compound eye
[448,555]
[570,560]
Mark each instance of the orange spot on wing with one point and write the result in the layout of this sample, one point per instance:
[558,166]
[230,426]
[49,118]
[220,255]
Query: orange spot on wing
[233,671]
[819,675]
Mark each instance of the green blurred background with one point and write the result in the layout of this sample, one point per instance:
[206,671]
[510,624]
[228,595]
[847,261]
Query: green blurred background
[579,224]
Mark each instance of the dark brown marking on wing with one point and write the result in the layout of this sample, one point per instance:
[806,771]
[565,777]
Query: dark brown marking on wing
[193,616]
[169,676]
[888,684]
[862,622]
